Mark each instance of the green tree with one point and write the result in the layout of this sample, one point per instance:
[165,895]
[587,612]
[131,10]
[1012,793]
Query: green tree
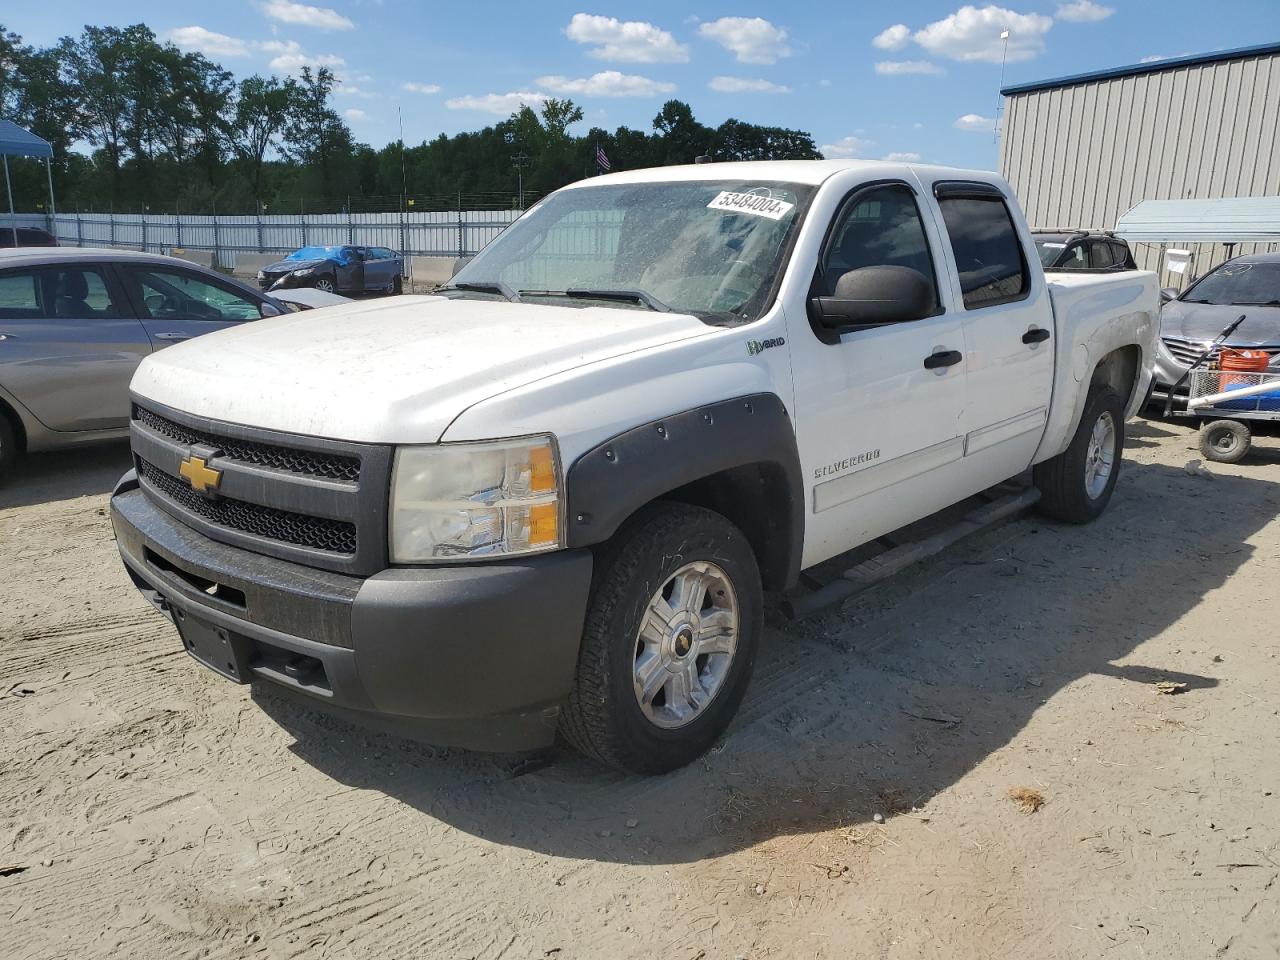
[262,110]
[315,133]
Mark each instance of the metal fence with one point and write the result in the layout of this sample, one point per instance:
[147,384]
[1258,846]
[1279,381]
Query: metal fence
[444,234]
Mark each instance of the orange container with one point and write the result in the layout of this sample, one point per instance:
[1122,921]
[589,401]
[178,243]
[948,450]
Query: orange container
[1241,361]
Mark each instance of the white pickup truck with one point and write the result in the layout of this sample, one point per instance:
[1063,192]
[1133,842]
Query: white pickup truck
[549,499]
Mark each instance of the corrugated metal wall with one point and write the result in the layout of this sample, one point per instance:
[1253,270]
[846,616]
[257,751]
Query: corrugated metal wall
[1081,155]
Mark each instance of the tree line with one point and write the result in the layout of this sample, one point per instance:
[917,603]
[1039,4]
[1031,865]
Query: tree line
[169,130]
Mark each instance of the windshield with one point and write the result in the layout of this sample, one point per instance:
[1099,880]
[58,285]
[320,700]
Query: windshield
[316,253]
[1050,247]
[1237,282]
[709,248]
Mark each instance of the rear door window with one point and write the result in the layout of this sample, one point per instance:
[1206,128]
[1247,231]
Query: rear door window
[57,293]
[1102,257]
[988,254]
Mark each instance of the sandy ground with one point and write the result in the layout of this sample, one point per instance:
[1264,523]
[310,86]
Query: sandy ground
[150,809]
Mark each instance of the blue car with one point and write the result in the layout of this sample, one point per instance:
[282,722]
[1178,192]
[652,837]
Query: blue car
[340,269]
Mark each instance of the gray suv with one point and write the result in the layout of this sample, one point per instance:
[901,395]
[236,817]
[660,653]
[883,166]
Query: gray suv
[74,325]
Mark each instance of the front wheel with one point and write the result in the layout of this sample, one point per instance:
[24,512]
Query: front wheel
[324,283]
[8,447]
[1225,441]
[670,639]
[1076,485]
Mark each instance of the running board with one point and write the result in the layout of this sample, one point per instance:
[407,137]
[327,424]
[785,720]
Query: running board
[882,566]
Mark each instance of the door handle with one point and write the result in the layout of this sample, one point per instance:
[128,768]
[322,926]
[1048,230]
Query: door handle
[172,336]
[1036,335]
[943,358]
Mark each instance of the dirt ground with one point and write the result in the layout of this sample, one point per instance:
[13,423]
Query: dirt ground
[150,809]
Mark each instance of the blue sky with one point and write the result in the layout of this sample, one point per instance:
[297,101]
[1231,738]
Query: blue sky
[867,79]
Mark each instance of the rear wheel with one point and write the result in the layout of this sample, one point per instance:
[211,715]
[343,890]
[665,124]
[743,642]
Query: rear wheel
[669,642]
[397,286]
[1076,485]
[1225,441]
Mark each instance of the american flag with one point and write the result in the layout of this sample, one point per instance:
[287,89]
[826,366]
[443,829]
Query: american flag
[602,160]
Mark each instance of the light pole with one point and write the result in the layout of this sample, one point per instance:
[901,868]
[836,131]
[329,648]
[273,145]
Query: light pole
[1004,56]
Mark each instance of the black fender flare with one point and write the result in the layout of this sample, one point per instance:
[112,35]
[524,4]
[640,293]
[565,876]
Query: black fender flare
[614,479]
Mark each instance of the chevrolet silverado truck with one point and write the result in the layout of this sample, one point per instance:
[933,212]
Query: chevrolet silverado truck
[548,500]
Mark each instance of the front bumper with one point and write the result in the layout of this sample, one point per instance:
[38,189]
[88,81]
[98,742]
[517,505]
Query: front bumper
[478,656]
[284,281]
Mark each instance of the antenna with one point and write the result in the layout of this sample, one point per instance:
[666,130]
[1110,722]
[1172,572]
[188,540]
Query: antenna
[1004,56]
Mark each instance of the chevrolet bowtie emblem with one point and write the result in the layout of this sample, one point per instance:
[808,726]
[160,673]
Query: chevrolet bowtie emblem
[201,476]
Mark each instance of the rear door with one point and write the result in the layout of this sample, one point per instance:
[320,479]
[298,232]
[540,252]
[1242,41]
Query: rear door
[69,344]
[177,304]
[1008,329]
[879,428]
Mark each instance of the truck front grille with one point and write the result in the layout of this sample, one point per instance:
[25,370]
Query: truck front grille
[328,466]
[317,533]
[317,502]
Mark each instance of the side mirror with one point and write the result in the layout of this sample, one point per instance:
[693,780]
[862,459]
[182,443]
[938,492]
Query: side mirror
[266,309]
[873,297]
[1168,293]
[459,264]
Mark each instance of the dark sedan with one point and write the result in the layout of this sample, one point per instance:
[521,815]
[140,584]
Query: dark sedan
[1189,322]
[1082,251]
[337,269]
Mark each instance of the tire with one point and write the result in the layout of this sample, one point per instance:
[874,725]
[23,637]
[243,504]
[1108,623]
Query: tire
[675,547]
[1225,441]
[9,449]
[1076,485]
[325,284]
[397,286]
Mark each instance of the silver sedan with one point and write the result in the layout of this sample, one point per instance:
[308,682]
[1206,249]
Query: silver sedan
[76,322]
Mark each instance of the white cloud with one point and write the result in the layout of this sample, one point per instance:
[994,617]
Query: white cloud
[903,157]
[975,122]
[207,42]
[290,57]
[898,68]
[750,39]
[345,89]
[846,148]
[745,85]
[1083,11]
[608,83]
[630,41]
[973,33]
[354,114]
[1154,58]
[892,38]
[499,103]
[303,15]
[424,88]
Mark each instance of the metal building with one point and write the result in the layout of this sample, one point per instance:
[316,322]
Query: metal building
[1082,150]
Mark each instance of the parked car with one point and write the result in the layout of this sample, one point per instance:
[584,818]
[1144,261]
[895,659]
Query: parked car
[26,237]
[76,322]
[1078,251]
[1191,320]
[341,269]
[550,499]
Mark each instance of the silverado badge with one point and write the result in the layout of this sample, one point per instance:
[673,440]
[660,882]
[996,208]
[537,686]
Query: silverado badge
[202,477]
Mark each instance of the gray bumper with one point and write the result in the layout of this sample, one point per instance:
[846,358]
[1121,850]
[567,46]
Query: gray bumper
[478,656]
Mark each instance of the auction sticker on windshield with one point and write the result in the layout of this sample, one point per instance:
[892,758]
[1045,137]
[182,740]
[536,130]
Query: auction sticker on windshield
[753,203]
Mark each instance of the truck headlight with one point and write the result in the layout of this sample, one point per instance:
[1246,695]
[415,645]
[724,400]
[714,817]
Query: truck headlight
[462,501]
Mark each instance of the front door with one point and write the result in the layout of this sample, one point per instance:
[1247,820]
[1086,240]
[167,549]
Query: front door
[69,345]
[879,431]
[177,304]
[1008,332]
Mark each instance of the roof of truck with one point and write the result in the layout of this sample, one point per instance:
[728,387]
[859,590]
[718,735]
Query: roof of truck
[811,172]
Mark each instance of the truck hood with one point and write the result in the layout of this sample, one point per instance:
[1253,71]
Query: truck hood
[1204,321]
[394,371]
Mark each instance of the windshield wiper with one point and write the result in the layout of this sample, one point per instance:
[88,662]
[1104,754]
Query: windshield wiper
[486,286]
[583,293]
[1255,303]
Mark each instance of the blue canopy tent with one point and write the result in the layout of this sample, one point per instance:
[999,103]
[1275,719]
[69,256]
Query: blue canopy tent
[17,142]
